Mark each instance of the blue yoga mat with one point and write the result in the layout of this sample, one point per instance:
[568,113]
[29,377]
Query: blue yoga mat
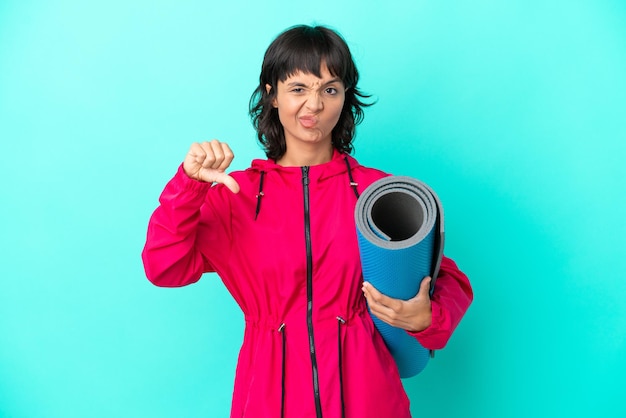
[399,223]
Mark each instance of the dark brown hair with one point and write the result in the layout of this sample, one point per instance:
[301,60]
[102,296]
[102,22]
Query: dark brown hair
[304,48]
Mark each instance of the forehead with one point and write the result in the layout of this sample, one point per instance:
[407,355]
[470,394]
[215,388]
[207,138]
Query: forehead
[301,75]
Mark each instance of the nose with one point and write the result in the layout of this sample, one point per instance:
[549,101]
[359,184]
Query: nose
[314,102]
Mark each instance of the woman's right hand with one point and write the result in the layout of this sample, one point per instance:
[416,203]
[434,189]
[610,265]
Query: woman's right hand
[208,161]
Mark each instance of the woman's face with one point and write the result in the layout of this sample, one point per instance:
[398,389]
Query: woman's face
[309,107]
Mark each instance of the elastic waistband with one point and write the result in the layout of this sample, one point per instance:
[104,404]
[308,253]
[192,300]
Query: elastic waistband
[330,320]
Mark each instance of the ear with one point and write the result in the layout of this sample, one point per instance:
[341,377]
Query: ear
[268,89]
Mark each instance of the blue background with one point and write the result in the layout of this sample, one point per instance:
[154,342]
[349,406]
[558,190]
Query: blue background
[512,111]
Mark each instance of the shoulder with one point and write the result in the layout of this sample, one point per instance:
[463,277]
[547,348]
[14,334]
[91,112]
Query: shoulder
[365,174]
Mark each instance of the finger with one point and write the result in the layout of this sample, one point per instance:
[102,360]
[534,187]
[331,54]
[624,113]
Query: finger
[371,294]
[384,313]
[193,160]
[423,292]
[370,290]
[228,181]
[380,298]
[208,159]
[395,318]
[229,156]
[383,307]
[218,154]
[425,287]
[196,152]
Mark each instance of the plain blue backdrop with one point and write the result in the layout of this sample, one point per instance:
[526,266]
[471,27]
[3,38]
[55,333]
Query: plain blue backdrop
[512,111]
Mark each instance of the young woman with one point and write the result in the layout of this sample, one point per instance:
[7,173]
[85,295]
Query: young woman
[281,235]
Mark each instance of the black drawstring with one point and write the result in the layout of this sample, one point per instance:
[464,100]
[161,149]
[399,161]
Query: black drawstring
[341,321]
[259,196]
[281,329]
[352,183]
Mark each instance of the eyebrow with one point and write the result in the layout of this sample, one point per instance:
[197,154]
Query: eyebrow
[300,84]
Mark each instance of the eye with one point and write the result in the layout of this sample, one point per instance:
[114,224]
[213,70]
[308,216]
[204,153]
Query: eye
[331,91]
[297,90]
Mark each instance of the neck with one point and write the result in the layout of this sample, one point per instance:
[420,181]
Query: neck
[301,158]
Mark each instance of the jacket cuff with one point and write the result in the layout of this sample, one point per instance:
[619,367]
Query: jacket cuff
[185,183]
[437,334]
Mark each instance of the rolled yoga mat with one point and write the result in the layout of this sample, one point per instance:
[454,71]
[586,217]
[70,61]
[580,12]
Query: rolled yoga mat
[399,222]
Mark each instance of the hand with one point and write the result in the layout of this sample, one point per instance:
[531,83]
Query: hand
[208,161]
[412,315]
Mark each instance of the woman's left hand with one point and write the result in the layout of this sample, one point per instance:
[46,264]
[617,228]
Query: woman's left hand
[412,315]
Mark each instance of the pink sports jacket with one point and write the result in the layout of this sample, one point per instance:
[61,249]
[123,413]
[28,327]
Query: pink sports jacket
[286,248]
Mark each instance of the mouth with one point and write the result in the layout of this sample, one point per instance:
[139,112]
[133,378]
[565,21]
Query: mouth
[308,121]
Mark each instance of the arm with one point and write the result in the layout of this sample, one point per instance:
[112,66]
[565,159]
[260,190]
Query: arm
[452,297]
[186,226]
[430,320]
[170,256]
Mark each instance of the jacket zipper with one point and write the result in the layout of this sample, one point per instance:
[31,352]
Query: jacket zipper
[309,291]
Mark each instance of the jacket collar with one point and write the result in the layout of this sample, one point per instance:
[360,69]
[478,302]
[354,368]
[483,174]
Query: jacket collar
[336,166]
